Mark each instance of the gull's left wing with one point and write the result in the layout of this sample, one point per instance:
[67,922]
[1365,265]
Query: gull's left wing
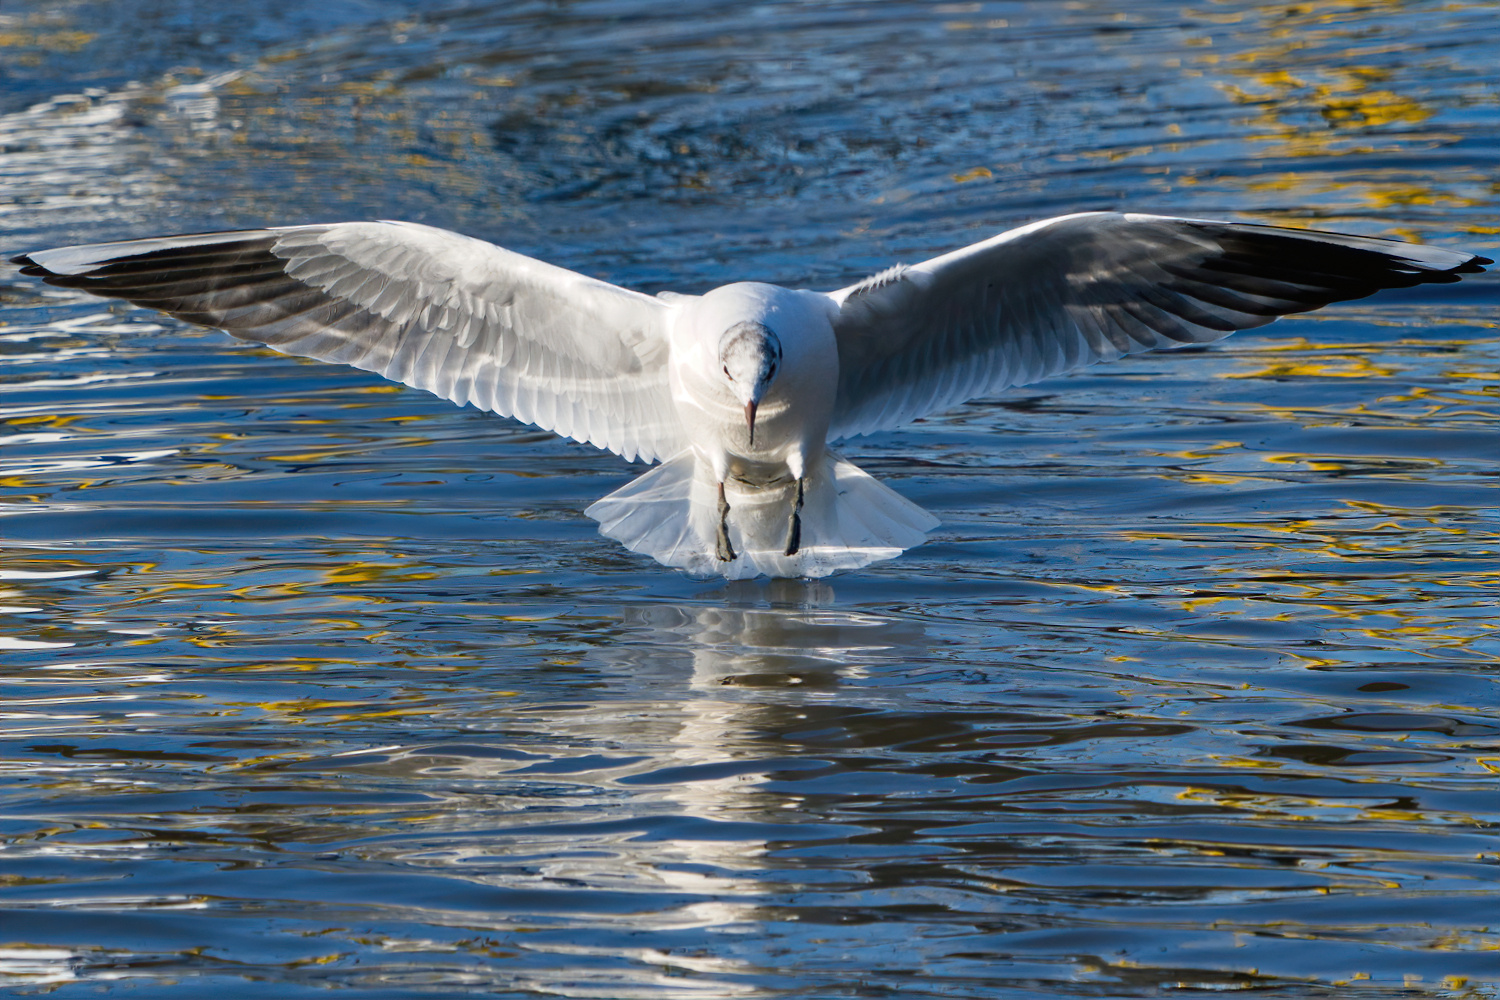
[1067,292]
[465,319]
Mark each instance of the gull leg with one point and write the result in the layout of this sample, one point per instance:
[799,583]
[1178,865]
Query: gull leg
[722,548]
[794,525]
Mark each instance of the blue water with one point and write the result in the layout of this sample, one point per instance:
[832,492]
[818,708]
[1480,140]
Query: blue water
[312,682]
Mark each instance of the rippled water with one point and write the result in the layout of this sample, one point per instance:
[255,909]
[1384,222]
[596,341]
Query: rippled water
[314,682]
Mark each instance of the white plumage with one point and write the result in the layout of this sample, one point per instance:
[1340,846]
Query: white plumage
[739,390]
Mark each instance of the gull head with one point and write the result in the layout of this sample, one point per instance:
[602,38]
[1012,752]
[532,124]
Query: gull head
[750,355]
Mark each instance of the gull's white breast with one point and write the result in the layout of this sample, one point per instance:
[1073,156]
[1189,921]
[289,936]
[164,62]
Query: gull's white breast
[792,419]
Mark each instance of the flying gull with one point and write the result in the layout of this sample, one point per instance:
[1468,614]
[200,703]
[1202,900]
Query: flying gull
[739,392]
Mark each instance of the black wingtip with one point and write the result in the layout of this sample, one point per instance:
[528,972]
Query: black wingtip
[31,268]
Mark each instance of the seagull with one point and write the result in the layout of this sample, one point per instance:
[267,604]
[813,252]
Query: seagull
[739,392]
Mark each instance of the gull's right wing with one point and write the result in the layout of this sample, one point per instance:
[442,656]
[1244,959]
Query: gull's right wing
[459,317]
[1071,291]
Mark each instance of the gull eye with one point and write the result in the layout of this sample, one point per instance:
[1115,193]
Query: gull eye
[727,375]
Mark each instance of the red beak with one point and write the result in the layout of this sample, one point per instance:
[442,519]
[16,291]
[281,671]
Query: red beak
[750,419]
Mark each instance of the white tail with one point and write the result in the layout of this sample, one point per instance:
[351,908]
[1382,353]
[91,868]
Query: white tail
[849,520]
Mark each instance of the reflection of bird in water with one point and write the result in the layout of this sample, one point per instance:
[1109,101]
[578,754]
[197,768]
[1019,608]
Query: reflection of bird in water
[717,694]
[689,709]
[797,642]
[729,684]
[738,391]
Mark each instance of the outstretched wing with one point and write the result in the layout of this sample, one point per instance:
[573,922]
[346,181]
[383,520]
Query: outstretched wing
[1071,291]
[456,316]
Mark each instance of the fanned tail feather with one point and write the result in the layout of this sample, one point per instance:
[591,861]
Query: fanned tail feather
[849,520]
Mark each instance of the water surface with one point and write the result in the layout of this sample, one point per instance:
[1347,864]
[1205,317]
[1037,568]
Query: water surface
[313,682]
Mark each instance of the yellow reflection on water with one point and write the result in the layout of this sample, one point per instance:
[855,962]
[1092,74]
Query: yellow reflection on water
[1327,78]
